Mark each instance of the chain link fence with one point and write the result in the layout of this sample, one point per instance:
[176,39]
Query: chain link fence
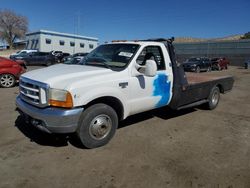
[237,51]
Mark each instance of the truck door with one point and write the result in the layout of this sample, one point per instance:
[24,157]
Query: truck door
[150,92]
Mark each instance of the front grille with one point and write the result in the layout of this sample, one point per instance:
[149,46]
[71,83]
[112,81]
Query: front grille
[33,92]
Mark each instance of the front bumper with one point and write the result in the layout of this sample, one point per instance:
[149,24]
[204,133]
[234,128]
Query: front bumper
[51,120]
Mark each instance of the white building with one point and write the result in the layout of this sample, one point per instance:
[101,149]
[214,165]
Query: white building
[46,41]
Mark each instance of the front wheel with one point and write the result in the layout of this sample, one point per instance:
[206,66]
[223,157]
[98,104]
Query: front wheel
[213,98]
[7,80]
[97,125]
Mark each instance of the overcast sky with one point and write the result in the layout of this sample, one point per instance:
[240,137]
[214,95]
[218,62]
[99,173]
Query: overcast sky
[131,19]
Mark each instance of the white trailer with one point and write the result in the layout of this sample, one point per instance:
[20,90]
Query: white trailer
[46,41]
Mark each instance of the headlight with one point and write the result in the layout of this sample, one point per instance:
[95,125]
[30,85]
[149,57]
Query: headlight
[60,98]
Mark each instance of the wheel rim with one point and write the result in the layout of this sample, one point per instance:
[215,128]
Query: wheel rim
[219,67]
[100,127]
[198,69]
[215,97]
[208,69]
[7,80]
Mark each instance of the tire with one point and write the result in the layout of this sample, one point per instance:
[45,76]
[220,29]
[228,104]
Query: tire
[97,125]
[198,69]
[214,98]
[219,68]
[7,80]
[48,63]
[209,69]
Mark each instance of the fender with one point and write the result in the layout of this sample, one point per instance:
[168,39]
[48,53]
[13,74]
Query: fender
[83,97]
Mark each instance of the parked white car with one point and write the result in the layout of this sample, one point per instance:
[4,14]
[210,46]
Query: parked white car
[21,54]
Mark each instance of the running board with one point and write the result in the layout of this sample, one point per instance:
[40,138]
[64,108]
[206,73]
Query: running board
[193,104]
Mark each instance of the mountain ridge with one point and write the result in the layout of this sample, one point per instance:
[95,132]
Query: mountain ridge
[193,39]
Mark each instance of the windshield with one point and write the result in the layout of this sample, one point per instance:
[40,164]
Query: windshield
[193,60]
[23,52]
[111,56]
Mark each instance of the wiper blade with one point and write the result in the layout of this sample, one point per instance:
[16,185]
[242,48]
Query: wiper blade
[98,64]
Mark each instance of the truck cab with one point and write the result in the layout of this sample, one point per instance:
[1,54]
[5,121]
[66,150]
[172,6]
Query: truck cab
[114,81]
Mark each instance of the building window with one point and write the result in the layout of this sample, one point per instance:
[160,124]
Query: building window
[27,44]
[61,42]
[72,43]
[32,44]
[48,41]
[82,45]
[36,44]
[91,46]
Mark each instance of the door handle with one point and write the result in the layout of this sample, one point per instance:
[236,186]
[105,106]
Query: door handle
[123,85]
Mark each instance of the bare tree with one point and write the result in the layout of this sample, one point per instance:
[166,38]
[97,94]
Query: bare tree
[12,26]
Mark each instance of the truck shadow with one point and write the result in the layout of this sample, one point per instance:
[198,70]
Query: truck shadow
[163,113]
[38,136]
[62,140]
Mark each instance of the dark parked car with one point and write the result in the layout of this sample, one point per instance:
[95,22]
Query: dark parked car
[74,55]
[247,64]
[10,71]
[197,65]
[59,55]
[39,58]
[73,61]
[219,63]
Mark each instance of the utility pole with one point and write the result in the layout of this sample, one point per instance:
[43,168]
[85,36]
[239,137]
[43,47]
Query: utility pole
[76,26]
[78,22]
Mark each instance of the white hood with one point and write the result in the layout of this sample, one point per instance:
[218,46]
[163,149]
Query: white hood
[61,75]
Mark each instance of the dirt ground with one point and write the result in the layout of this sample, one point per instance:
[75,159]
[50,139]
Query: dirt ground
[160,148]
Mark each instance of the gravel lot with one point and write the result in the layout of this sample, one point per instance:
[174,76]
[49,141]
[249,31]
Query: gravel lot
[160,148]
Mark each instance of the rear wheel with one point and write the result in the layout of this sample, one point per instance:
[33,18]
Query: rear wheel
[7,80]
[209,69]
[213,98]
[198,69]
[48,63]
[97,125]
[219,67]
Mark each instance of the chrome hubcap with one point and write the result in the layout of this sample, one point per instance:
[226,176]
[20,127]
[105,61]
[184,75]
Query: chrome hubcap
[215,98]
[7,80]
[100,127]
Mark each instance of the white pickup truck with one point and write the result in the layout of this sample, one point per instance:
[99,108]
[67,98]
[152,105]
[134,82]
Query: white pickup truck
[114,81]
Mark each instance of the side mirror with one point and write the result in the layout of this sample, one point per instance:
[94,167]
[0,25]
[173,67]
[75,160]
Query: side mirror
[150,68]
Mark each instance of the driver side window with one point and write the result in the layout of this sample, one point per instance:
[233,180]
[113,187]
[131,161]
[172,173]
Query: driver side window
[153,53]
